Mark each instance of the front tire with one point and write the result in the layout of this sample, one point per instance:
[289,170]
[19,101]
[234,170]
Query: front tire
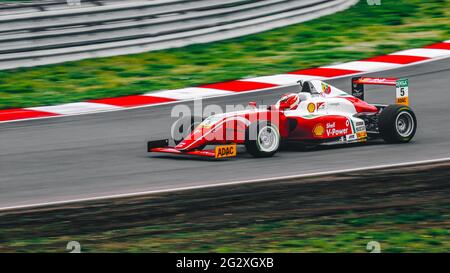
[397,124]
[262,139]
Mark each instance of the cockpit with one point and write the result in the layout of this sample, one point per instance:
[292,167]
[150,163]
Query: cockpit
[307,87]
[291,101]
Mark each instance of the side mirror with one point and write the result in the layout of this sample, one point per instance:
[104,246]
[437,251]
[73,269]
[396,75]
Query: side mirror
[252,104]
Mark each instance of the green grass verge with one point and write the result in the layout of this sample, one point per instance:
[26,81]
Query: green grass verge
[396,232]
[359,32]
[404,209]
[412,230]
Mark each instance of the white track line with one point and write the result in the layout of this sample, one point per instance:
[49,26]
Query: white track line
[423,52]
[364,66]
[189,93]
[272,179]
[283,79]
[75,108]
[222,95]
[225,95]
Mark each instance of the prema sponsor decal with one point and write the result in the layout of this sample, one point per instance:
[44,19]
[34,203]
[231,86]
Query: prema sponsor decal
[321,105]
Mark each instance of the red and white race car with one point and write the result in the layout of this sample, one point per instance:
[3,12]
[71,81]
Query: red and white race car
[318,114]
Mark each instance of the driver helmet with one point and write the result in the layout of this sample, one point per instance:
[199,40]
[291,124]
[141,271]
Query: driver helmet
[289,101]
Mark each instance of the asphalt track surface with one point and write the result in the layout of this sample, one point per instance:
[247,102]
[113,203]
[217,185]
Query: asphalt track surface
[103,154]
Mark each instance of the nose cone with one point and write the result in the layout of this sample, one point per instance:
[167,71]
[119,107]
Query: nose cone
[194,140]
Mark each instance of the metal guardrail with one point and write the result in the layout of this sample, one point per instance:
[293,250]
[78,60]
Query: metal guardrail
[148,27]
[11,8]
[51,37]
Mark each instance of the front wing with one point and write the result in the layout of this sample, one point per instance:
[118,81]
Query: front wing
[221,151]
[170,150]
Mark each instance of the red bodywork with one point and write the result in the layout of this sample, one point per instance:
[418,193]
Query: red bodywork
[231,128]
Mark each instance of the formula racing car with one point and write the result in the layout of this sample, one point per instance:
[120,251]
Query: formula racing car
[319,114]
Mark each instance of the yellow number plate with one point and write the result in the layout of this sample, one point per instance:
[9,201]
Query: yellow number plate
[225,151]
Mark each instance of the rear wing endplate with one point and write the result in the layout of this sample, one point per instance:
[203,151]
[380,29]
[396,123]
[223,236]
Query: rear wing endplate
[401,87]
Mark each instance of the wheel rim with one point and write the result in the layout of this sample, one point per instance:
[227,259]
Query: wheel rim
[404,124]
[268,139]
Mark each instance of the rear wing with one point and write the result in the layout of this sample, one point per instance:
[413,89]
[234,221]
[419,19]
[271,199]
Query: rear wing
[401,87]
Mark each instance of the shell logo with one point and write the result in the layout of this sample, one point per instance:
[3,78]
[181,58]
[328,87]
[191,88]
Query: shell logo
[318,130]
[311,107]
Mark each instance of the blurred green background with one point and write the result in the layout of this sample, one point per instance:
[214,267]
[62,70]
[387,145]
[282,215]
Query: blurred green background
[359,32]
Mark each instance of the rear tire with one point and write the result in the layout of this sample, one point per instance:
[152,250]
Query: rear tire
[183,126]
[397,124]
[262,139]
